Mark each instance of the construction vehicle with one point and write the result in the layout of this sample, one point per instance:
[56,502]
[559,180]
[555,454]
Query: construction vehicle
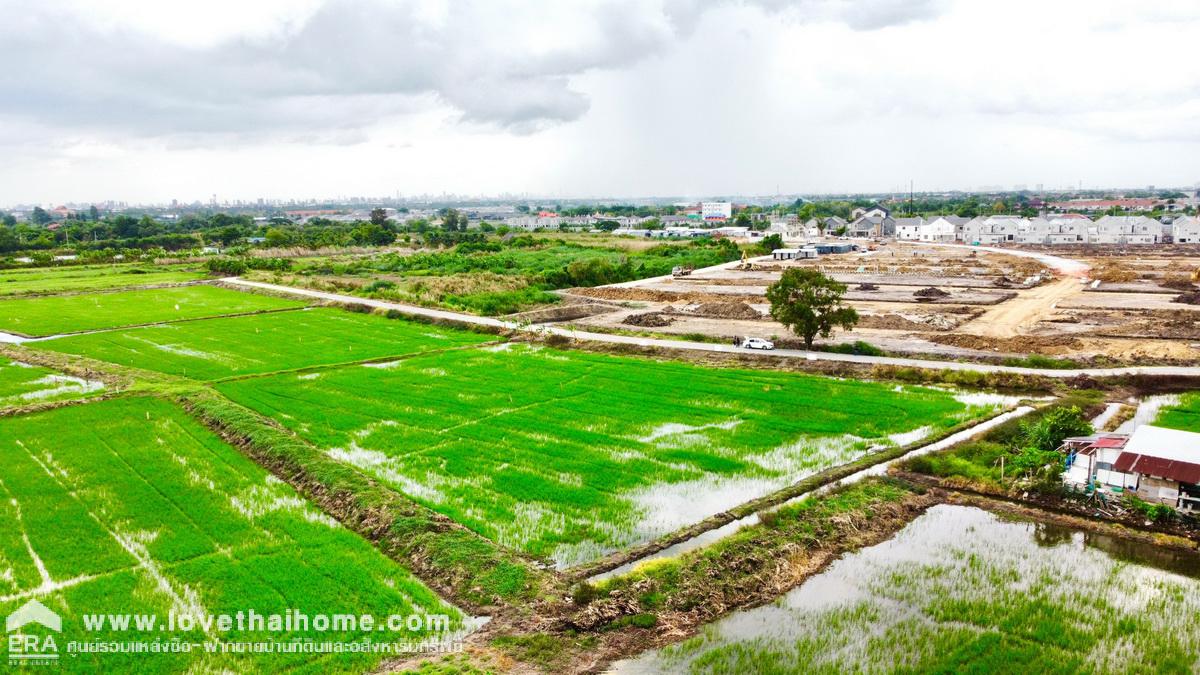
[681,270]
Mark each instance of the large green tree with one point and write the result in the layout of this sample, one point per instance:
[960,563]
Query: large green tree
[810,304]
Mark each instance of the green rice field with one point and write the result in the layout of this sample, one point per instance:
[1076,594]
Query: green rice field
[1185,415]
[50,315]
[261,343]
[89,278]
[130,506]
[962,591]
[570,455]
[22,384]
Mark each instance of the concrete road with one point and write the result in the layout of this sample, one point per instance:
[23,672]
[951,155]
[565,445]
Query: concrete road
[411,310]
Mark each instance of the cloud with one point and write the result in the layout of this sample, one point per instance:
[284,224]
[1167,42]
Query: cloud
[349,64]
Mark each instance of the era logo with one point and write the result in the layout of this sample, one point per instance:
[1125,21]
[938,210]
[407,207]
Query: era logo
[27,649]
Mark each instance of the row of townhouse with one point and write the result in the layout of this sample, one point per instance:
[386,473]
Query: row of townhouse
[1067,228]
[1076,229]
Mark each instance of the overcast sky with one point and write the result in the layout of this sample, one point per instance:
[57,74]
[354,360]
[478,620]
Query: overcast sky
[150,100]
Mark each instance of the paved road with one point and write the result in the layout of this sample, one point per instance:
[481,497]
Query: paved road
[1192,371]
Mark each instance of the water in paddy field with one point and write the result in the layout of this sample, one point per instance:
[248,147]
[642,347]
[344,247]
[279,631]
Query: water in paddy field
[960,587]
[1147,410]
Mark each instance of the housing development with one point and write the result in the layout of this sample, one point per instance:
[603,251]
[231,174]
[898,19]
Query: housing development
[628,338]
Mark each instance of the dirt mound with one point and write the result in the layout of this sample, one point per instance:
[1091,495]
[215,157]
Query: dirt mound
[649,320]
[1192,298]
[866,287]
[1003,282]
[726,310]
[1050,344]
[655,295]
[930,292]
[1178,282]
[1114,273]
[889,322]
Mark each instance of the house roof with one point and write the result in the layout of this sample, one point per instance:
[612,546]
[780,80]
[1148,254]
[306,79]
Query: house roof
[1177,470]
[1164,443]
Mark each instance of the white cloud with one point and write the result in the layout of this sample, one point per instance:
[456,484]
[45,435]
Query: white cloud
[602,97]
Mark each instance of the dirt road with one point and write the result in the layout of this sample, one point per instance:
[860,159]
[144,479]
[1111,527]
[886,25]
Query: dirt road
[1182,371]
[1015,317]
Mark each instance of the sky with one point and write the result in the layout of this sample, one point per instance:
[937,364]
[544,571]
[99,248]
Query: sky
[152,100]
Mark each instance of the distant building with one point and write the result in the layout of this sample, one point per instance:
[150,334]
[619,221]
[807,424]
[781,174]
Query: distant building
[716,212]
[986,230]
[1125,230]
[1106,204]
[876,211]
[872,225]
[1186,230]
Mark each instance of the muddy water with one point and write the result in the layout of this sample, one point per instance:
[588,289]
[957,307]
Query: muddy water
[714,535]
[1147,410]
[957,588]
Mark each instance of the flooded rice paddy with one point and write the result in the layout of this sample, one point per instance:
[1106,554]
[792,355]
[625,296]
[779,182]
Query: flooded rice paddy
[963,590]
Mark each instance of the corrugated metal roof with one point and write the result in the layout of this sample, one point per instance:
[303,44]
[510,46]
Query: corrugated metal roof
[1184,472]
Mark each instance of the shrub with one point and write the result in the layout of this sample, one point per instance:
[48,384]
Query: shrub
[379,285]
[229,267]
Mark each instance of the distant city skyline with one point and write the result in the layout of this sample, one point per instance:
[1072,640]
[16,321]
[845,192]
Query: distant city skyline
[146,101]
[598,199]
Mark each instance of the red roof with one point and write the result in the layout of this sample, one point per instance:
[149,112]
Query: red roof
[1184,472]
[1111,442]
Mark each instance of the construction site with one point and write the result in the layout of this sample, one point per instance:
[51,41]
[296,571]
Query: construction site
[1112,305]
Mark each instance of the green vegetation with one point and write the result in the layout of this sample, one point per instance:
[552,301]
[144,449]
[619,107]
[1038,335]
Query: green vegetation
[73,313]
[88,278]
[1185,416]
[571,455]
[960,591]
[857,347]
[978,460]
[1042,362]
[22,384]
[464,566]
[493,278]
[810,304]
[130,505]
[261,343]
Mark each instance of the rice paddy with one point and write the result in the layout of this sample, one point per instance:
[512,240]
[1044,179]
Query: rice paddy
[23,384]
[261,343]
[1184,415]
[570,455]
[50,315]
[89,278]
[960,590]
[131,506]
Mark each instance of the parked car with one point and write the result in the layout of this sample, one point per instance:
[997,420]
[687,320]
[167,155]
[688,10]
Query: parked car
[757,343]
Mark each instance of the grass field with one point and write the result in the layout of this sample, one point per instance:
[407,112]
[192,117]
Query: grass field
[50,315]
[570,455]
[505,277]
[131,506]
[1185,416]
[89,278]
[21,384]
[218,348]
[961,591]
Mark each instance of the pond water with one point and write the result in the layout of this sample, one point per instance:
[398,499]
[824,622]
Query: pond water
[961,589]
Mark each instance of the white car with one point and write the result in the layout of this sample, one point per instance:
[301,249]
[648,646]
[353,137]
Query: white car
[758,343]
